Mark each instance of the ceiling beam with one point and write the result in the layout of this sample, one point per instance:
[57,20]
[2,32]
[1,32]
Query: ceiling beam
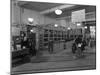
[21,3]
[58,7]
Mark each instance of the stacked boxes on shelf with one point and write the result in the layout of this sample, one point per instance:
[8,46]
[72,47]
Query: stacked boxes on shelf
[50,32]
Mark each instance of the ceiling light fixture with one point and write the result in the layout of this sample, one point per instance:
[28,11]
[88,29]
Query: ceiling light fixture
[69,28]
[58,12]
[85,27]
[56,25]
[32,30]
[78,24]
[30,20]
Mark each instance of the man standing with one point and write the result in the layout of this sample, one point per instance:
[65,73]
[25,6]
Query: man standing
[32,44]
[50,46]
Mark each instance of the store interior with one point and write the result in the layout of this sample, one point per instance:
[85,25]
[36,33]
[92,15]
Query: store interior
[42,22]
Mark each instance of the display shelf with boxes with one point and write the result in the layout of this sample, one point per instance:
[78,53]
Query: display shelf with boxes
[50,32]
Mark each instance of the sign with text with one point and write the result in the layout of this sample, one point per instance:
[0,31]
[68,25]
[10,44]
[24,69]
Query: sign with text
[78,16]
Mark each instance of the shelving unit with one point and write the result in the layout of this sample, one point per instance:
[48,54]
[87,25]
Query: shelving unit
[49,32]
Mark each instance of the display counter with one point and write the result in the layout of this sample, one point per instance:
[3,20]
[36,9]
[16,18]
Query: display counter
[20,55]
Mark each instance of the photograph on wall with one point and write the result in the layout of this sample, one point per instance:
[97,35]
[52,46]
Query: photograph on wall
[52,37]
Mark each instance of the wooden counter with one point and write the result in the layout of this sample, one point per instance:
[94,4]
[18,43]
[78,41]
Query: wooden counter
[19,55]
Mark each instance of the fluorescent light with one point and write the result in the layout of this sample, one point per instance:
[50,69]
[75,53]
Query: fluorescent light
[78,24]
[30,20]
[69,28]
[58,12]
[85,27]
[56,25]
[31,30]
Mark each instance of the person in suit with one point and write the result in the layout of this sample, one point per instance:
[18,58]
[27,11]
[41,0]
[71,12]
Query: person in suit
[32,44]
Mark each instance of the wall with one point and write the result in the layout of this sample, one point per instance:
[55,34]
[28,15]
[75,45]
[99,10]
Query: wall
[66,22]
[38,18]
[15,13]
[19,15]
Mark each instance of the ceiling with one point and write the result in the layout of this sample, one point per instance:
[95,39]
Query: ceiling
[43,6]
[67,12]
[38,6]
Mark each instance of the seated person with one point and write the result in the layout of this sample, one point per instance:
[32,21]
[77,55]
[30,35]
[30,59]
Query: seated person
[78,40]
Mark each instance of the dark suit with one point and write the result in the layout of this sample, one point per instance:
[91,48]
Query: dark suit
[32,47]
